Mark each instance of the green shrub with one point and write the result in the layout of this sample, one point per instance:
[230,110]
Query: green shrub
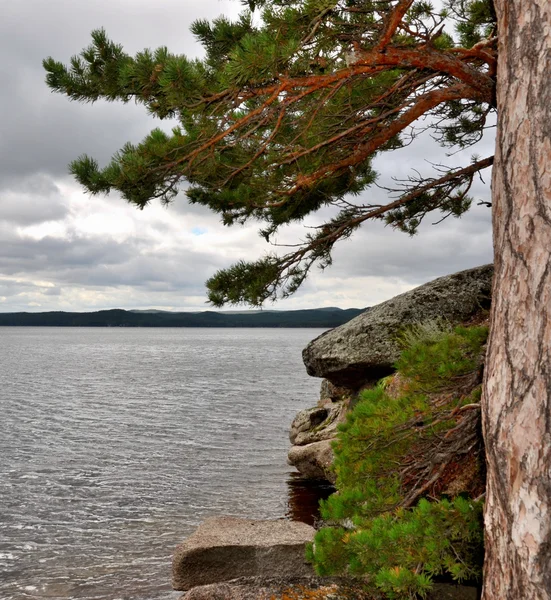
[378,532]
[368,447]
[433,360]
[400,552]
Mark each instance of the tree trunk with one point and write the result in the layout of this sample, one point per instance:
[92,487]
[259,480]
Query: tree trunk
[517,386]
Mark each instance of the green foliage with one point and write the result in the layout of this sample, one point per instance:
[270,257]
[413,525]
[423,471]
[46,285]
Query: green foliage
[475,20]
[400,553]
[244,282]
[374,533]
[381,430]
[367,452]
[418,335]
[433,357]
[284,115]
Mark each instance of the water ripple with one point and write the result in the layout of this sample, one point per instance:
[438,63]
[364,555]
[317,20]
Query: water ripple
[116,443]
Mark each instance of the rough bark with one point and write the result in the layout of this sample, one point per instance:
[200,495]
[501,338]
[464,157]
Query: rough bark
[517,391]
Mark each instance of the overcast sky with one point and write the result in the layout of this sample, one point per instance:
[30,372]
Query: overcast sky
[62,250]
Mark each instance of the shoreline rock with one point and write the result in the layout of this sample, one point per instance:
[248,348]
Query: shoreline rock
[228,558]
[317,424]
[313,461]
[366,348]
[313,430]
[251,588]
[227,548]
[354,356]
[321,589]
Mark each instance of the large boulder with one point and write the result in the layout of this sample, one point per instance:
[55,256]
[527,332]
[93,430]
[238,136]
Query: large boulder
[366,348]
[228,548]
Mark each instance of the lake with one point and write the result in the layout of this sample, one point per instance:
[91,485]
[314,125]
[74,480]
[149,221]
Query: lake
[116,443]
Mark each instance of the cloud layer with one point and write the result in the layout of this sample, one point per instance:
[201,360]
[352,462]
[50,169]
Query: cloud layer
[62,250]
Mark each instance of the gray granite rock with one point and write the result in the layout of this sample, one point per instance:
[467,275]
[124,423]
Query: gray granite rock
[317,424]
[258,588]
[320,588]
[366,348]
[306,420]
[313,461]
[214,591]
[226,548]
[332,393]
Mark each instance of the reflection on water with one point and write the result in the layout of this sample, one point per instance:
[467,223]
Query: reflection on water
[304,497]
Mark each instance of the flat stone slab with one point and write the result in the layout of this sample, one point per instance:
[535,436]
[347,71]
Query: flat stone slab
[227,548]
[366,348]
[258,588]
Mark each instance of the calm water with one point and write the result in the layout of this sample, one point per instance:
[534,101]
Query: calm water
[116,443]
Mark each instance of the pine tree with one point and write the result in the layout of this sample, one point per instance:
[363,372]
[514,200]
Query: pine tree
[285,114]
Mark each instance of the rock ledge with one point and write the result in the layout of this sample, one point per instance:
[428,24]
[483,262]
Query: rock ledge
[366,348]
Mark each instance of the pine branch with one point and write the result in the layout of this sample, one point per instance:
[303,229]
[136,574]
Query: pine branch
[280,118]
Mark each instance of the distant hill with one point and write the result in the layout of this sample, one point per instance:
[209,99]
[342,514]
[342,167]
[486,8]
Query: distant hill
[318,317]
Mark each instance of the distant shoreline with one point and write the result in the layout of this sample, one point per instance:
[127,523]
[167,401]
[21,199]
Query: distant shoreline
[314,318]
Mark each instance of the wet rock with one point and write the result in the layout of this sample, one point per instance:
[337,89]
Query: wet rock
[226,548]
[313,461]
[366,348]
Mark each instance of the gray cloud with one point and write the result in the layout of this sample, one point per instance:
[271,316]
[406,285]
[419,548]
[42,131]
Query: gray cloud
[56,259]
[154,262]
[31,200]
[45,131]
[13,287]
[159,273]
[432,252]
[99,261]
